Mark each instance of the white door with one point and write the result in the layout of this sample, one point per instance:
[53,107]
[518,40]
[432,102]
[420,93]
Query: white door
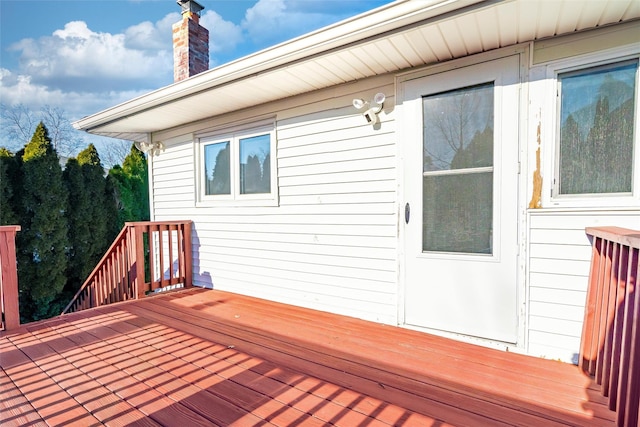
[461,175]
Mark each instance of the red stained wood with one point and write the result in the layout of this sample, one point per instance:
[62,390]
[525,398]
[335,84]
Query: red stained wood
[610,349]
[121,273]
[8,278]
[203,357]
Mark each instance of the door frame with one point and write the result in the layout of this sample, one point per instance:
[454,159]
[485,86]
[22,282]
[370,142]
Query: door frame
[523,52]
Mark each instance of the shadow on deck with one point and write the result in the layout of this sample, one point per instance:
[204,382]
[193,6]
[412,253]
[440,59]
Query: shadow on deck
[203,357]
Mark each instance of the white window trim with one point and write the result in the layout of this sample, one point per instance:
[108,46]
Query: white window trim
[233,134]
[550,198]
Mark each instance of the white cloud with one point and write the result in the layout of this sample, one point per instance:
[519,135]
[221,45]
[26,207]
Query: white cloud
[85,71]
[147,35]
[270,21]
[77,58]
[20,89]
[224,36]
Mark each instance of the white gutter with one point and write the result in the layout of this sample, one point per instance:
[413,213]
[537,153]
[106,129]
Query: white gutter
[370,24]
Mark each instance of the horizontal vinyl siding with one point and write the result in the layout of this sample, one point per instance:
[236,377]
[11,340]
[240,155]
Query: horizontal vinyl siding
[559,260]
[330,244]
[172,179]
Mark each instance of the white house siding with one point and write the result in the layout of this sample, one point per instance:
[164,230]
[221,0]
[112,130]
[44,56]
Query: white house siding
[331,242]
[172,179]
[559,259]
[558,251]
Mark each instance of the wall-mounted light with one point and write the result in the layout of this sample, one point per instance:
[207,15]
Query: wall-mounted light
[375,106]
[153,148]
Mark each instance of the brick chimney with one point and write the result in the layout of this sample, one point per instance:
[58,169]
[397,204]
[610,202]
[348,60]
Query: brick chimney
[190,42]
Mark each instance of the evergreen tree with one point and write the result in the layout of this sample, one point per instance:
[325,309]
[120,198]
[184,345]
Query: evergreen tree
[42,242]
[111,209]
[130,186]
[79,217]
[88,211]
[136,169]
[94,182]
[9,178]
[122,193]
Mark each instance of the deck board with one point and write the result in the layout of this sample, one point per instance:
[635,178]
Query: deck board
[202,357]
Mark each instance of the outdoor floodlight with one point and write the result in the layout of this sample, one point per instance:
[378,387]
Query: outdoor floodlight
[375,106]
[153,148]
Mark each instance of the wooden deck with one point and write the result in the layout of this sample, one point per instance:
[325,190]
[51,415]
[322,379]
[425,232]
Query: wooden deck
[201,357]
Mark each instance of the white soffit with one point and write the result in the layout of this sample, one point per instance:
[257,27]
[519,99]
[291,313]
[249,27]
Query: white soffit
[403,34]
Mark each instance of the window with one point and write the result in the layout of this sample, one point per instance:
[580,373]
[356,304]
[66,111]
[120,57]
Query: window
[596,131]
[237,167]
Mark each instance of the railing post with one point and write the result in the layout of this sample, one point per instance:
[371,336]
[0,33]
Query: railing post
[136,259]
[188,260]
[9,277]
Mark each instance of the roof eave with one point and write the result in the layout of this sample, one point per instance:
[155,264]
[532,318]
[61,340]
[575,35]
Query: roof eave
[383,19]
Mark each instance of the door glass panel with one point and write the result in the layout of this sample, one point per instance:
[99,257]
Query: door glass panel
[458,171]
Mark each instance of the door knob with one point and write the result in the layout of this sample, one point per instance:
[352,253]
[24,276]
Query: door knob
[407,213]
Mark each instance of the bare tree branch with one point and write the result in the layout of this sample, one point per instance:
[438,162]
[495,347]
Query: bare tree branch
[64,137]
[113,151]
[18,125]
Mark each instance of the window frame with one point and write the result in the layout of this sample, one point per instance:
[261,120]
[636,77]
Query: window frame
[233,135]
[592,200]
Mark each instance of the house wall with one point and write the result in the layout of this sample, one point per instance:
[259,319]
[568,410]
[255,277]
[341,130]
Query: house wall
[331,242]
[558,269]
[558,250]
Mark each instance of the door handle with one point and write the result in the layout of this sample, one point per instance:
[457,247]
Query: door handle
[407,213]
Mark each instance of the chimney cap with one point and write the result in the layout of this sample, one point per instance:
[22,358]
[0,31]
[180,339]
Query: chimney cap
[190,6]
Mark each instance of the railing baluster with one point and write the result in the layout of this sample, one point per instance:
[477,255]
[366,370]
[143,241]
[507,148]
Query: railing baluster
[121,273]
[612,386]
[180,237]
[152,259]
[629,398]
[610,309]
[161,261]
[170,239]
[611,330]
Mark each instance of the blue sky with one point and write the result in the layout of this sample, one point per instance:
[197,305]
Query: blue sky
[84,56]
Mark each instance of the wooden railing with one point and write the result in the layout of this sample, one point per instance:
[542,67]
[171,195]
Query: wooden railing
[146,257]
[9,278]
[610,348]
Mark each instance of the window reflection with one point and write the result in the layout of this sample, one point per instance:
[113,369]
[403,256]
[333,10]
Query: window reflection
[596,129]
[216,162]
[458,171]
[255,165]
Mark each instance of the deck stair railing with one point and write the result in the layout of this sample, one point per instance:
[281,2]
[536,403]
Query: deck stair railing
[610,347]
[8,278]
[146,257]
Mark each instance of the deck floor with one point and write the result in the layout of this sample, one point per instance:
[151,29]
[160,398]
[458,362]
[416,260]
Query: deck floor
[203,357]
